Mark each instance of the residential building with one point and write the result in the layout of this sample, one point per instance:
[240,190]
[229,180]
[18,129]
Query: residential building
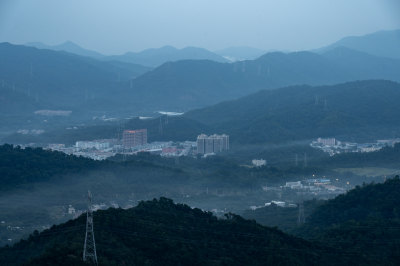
[133,138]
[327,141]
[212,144]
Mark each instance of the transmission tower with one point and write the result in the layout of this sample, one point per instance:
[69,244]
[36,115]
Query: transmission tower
[300,218]
[89,249]
[160,129]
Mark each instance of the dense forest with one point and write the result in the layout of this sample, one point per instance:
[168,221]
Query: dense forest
[365,220]
[19,167]
[360,227]
[160,232]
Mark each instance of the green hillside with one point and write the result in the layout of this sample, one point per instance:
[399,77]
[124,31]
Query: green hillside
[60,79]
[160,232]
[352,111]
[192,84]
[19,167]
[366,219]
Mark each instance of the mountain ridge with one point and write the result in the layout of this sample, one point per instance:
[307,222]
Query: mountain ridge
[380,43]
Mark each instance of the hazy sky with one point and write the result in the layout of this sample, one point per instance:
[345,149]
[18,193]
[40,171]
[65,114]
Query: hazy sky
[117,26]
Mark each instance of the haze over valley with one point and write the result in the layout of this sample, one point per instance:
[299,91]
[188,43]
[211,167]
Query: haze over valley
[213,133]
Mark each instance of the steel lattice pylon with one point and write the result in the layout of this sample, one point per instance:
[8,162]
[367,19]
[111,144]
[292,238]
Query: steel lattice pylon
[89,249]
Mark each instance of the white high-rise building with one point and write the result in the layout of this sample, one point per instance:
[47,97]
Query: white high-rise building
[327,141]
[212,144]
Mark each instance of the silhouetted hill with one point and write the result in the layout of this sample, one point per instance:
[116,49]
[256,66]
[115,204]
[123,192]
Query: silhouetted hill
[20,167]
[158,56]
[365,219]
[160,232]
[69,47]
[354,110]
[381,43]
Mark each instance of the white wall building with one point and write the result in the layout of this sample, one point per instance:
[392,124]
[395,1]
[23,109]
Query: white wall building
[259,162]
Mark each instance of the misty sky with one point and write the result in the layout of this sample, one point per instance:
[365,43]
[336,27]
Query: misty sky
[117,26]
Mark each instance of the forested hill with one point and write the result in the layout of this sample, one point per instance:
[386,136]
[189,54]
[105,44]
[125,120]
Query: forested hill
[354,110]
[60,79]
[365,219]
[372,201]
[192,84]
[19,167]
[160,232]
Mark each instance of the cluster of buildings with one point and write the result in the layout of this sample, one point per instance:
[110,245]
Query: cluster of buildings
[134,141]
[313,186]
[333,146]
[212,144]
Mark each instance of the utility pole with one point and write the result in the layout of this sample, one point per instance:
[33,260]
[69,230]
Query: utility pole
[300,217]
[160,129]
[89,249]
[31,71]
[305,159]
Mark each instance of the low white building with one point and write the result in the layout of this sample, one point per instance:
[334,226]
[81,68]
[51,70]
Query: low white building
[294,185]
[71,210]
[259,162]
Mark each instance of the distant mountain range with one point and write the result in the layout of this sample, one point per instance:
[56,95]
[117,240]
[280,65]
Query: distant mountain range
[381,43]
[157,57]
[240,53]
[190,84]
[69,47]
[62,80]
[59,79]
[150,57]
